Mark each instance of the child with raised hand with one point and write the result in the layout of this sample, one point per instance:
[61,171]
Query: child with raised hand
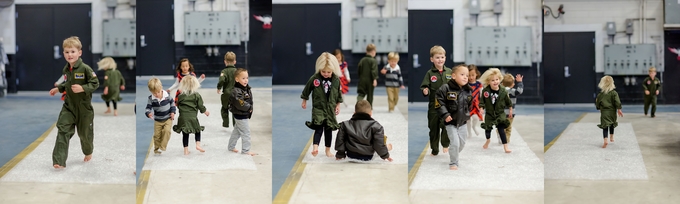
[185,68]
[509,83]
[241,106]
[113,84]
[493,101]
[609,104]
[324,86]
[189,102]
[454,100]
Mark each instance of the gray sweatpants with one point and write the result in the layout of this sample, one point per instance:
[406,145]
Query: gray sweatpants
[457,137]
[241,130]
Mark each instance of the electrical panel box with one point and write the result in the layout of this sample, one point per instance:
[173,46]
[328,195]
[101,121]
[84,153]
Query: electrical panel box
[212,28]
[629,27]
[611,28]
[475,8]
[387,34]
[119,38]
[498,46]
[630,59]
[360,3]
[672,16]
[498,6]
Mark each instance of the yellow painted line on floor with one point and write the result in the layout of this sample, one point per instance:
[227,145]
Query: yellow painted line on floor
[288,188]
[14,161]
[546,147]
[143,181]
[416,166]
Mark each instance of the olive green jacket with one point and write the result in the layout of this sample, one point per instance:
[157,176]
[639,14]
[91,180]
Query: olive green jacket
[608,103]
[432,81]
[323,108]
[83,75]
[368,71]
[494,114]
[227,79]
[113,79]
[651,85]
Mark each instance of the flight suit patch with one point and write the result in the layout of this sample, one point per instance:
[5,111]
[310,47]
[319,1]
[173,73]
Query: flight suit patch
[448,76]
[451,95]
[79,75]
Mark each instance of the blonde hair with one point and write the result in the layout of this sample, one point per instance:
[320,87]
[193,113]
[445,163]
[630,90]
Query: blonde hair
[606,84]
[362,106]
[155,85]
[508,80]
[189,85]
[239,71]
[652,69]
[457,67]
[106,63]
[328,61]
[437,50]
[73,42]
[230,57]
[393,56]
[488,74]
[370,47]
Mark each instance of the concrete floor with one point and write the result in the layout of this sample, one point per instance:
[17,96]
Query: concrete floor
[529,124]
[214,186]
[71,193]
[660,149]
[331,182]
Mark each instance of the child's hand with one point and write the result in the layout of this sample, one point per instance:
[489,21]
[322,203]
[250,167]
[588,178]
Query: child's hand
[168,90]
[218,91]
[402,87]
[510,114]
[202,76]
[375,82]
[76,88]
[657,92]
[448,119]
[348,80]
[122,87]
[425,91]
[207,113]
[337,109]
[55,84]
[646,92]
[519,77]
[389,159]
[54,91]
[106,90]
[151,115]
[304,104]
[620,113]
[383,71]
[172,116]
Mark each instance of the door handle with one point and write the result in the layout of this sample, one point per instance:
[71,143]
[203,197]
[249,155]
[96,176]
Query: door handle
[143,41]
[415,61]
[309,48]
[566,72]
[56,52]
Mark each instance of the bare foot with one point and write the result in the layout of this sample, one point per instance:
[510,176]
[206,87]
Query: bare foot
[108,110]
[486,145]
[508,150]
[605,144]
[186,151]
[389,147]
[328,153]
[315,152]
[453,167]
[87,158]
[234,150]
[611,138]
[57,166]
[251,153]
[445,150]
[200,149]
[505,147]
[115,112]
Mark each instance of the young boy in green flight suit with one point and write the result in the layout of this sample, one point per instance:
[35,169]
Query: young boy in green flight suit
[225,85]
[437,76]
[652,86]
[368,75]
[77,111]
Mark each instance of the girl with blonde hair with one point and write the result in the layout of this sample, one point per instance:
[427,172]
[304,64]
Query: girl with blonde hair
[493,101]
[609,104]
[113,84]
[189,103]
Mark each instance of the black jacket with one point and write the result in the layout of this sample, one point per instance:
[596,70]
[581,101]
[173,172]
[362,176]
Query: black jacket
[454,100]
[361,135]
[241,101]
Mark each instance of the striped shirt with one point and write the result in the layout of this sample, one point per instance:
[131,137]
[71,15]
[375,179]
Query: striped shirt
[514,92]
[393,77]
[161,107]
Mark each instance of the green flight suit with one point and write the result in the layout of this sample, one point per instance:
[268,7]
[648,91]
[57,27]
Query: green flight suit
[494,114]
[323,107]
[368,71]
[608,103]
[113,79]
[651,85]
[226,84]
[432,81]
[189,105]
[77,112]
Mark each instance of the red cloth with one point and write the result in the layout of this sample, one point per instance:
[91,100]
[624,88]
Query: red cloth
[344,84]
[180,76]
[476,88]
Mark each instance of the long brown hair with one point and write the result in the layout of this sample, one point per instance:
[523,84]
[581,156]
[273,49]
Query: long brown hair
[179,66]
[338,51]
